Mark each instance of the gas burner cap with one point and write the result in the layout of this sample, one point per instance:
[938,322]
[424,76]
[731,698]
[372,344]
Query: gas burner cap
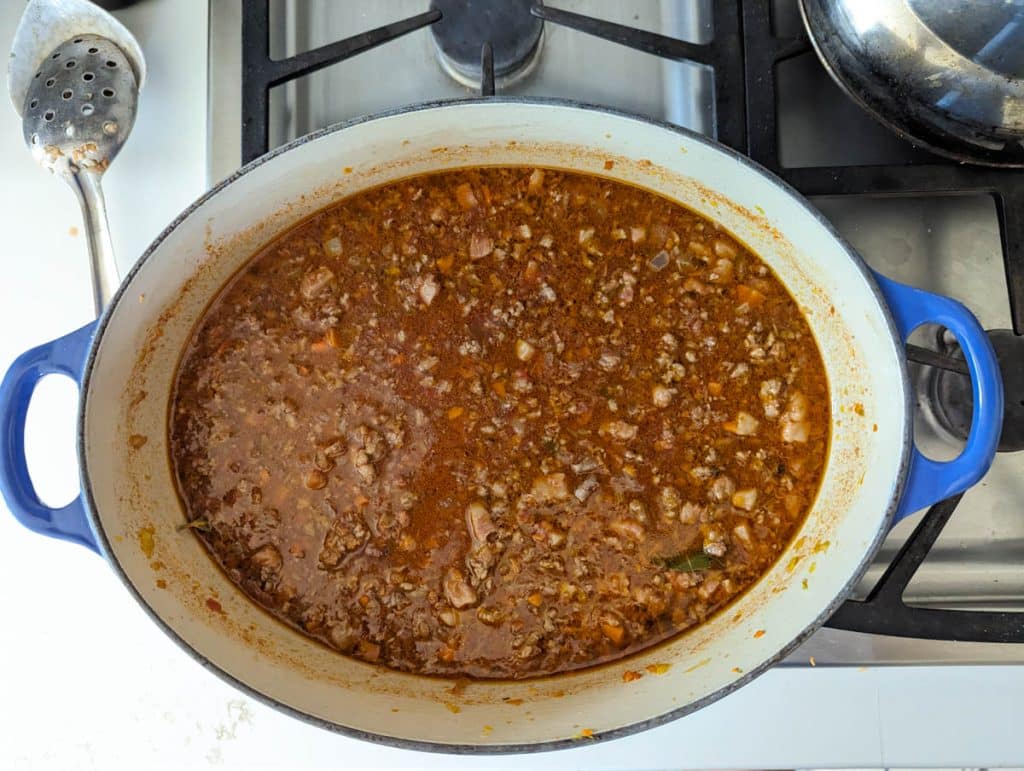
[465,25]
[953,400]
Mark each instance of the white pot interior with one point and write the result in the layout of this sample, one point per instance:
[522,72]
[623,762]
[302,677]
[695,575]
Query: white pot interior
[139,512]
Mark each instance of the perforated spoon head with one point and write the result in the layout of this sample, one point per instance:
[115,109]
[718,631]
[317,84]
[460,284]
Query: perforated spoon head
[80,106]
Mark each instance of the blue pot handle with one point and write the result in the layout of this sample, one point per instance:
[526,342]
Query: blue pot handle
[930,481]
[63,356]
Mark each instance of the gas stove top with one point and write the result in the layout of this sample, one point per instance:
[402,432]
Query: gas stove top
[948,584]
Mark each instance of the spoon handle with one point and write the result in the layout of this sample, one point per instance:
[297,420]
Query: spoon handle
[97,232]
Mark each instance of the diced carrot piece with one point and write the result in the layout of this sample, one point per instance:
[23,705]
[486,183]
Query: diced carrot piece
[748,296]
[333,338]
[455,412]
[369,650]
[715,389]
[319,346]
[446,654]
[535,599]
[613,633]
[498,386]
[444,264]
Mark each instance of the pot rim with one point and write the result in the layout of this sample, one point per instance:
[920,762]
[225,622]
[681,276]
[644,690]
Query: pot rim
[511,748]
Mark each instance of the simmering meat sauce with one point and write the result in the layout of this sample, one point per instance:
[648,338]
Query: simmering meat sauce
[499,422]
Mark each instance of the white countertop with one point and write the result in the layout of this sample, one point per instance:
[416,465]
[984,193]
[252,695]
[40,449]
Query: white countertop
[87,680]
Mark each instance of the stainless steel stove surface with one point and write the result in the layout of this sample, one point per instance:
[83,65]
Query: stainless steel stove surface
[951,243]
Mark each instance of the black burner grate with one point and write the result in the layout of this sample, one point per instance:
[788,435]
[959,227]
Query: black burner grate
[744,55]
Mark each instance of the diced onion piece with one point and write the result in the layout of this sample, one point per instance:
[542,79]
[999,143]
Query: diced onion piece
[742,533]
[794,425]
[585,488]
[550,487]
[628,528]
[428,289]
[795,431]
[722,272]
[524,351]
[797,408]
[479,522]
[745,499]
[618,429]
[480,246]
[689,514]
[662,396]
[724,249]
[332,246]
[744,425]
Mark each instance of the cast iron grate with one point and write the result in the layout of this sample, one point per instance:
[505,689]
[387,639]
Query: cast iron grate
[744,55]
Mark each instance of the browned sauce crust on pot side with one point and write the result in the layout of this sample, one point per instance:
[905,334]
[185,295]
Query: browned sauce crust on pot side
[499,422]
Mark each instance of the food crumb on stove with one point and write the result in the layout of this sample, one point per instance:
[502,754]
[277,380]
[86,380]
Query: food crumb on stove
[486,730]
[137,441]
[586,733]
[630,675]
[804,583]
[213,605]
[737,670]
[759,633]
[72,231]
[812,662]
[455,709]
[161,584]
[658,669]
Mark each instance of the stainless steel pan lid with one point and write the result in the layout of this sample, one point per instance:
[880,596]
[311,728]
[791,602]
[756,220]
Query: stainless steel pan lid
[945,74]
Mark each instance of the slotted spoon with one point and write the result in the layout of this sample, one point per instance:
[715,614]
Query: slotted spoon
[78,112]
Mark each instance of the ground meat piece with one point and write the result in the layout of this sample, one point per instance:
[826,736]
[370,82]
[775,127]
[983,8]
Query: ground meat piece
[347,533]
[314,282]
[459,593]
